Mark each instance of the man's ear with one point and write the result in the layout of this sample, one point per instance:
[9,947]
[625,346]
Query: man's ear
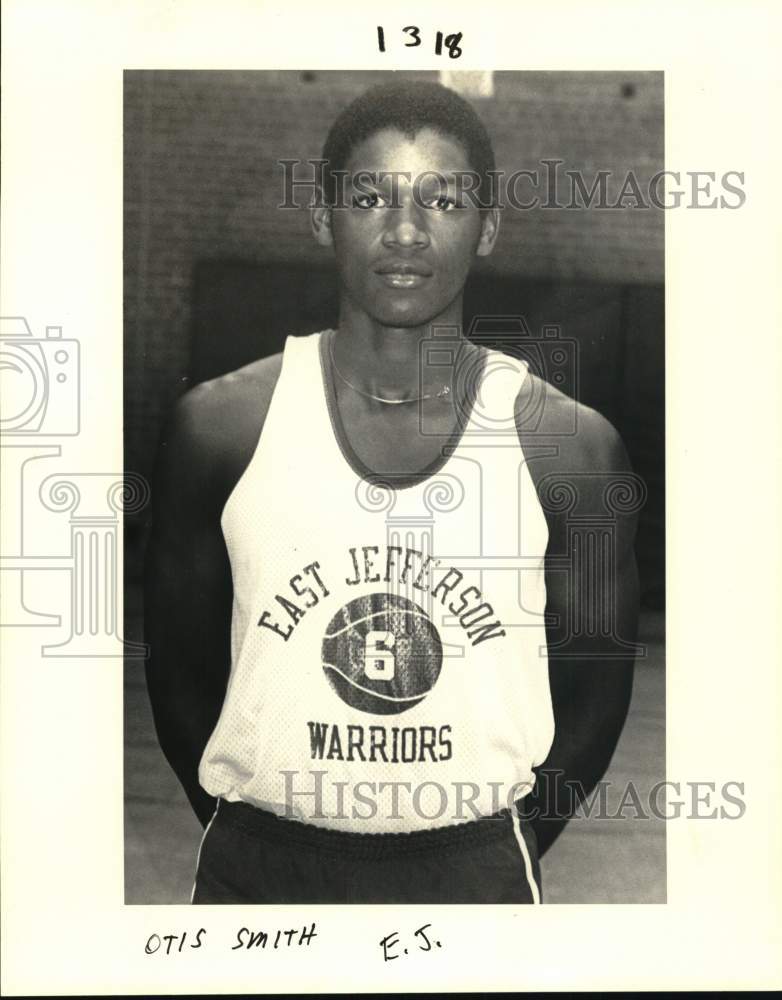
[490,227]
[320,220]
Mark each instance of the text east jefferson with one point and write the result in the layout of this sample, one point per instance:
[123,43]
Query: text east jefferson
[396,565]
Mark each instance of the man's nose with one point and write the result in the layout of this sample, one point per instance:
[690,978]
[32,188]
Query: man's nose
[406,225]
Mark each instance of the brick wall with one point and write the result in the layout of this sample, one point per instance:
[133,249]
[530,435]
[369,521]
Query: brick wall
[201,181]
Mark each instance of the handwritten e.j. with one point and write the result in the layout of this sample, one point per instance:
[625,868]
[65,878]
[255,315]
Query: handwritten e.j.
[391,943]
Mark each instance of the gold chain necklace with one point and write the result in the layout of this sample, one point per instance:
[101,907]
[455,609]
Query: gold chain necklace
[443,393]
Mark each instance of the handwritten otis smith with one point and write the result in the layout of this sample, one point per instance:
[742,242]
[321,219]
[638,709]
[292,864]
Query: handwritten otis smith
[326,592]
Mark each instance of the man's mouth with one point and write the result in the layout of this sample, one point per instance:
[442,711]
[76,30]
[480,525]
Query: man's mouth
[403,274]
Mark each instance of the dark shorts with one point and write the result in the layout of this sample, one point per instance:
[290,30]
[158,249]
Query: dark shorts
[249,855]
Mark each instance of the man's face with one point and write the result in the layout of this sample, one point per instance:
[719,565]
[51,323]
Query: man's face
[404,266]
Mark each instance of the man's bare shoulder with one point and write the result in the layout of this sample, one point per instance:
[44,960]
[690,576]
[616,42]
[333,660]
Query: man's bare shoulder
[233,402]
[585,440]
[215,427]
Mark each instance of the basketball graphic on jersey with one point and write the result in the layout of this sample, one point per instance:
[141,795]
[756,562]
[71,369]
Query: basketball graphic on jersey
[382,654]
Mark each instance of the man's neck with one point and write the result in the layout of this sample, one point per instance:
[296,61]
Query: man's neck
[396,362]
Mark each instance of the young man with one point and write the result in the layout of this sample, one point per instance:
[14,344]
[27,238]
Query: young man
[348,675]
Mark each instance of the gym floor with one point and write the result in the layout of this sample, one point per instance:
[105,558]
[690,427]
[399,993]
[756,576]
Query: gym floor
[619,859]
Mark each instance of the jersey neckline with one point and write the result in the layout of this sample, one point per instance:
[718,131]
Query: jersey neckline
[393,481]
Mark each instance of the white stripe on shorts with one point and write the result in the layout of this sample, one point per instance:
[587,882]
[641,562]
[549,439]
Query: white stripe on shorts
[200,848]
[533,885]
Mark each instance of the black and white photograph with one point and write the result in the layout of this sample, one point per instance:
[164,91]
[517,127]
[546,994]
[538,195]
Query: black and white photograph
[389,535]
[394,366]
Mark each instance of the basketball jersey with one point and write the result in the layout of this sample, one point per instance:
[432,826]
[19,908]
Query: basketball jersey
[388,651]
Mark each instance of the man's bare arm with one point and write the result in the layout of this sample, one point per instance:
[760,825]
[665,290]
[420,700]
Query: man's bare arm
[592,615]
[188,587]
[188,599]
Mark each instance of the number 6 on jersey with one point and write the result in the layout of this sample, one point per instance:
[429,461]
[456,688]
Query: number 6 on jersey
[379,660]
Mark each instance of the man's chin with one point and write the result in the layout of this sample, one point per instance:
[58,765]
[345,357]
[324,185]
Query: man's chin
[404,319]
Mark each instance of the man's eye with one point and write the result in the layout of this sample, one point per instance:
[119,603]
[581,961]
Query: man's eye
[443,203]
[373,200]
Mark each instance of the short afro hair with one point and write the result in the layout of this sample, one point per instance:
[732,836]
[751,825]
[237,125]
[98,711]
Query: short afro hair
[407,106]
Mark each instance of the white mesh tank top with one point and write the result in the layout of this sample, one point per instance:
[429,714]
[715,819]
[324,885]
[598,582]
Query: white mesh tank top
[389,668]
